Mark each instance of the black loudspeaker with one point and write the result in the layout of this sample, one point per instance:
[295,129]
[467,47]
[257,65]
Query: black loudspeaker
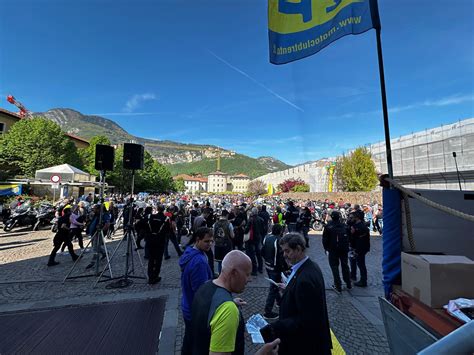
[104,157]
[133,156]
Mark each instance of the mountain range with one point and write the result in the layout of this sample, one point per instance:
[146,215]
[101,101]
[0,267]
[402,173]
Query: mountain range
[178,157]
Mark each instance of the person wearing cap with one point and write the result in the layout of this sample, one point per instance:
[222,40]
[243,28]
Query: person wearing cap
[336,245]
[62,236]
[360,243]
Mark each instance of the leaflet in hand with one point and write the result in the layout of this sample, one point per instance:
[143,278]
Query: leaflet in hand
[272,282]
[253,325]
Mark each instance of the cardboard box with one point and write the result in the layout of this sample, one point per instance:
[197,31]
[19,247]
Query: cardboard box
[436,279]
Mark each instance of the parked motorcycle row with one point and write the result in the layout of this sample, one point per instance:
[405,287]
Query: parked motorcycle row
[27,215]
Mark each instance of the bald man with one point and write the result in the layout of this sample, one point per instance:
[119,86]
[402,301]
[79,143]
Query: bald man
[217,325]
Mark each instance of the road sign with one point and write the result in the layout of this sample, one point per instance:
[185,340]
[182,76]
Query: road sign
[55,186]
[55,179]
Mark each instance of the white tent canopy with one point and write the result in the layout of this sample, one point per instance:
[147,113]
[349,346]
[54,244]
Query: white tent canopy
[68,173]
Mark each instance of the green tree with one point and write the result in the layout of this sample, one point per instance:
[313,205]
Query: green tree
[120,178]
[33,144]
[301,188]
[88,154]
[356,172]
[179,185]
[154,177]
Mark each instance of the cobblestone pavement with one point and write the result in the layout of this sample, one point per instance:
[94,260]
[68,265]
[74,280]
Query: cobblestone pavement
[25,279]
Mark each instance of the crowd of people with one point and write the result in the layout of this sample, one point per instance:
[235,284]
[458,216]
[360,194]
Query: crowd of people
[221,242]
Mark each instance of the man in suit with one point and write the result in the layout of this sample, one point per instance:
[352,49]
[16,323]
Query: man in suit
[303,325]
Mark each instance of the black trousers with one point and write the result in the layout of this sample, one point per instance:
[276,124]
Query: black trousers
[77,232]
[179,228]
[210,260]
[187,347]
[140,236]
[305,231]
[253,248]
[238,242]
[359,262]
[155,250]
[60,238]
[336,258]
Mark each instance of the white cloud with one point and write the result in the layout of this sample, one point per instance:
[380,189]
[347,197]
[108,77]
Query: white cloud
[445,101]
[135,101]
[450,100]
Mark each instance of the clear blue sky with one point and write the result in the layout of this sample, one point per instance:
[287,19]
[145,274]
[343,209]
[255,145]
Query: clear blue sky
[198,72]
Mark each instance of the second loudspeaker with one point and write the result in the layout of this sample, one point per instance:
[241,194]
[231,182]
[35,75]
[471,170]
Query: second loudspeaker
[133,156]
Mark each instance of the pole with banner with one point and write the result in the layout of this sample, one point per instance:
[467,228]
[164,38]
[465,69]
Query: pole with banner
[297,30]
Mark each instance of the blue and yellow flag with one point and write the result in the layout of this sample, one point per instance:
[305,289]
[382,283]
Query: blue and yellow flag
[10,189]
[300,28]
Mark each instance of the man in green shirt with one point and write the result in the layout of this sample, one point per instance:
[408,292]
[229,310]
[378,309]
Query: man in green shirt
[217,325]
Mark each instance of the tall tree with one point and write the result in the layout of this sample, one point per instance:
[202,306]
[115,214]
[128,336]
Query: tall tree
[154,177]
[88,154]
[257,187]
[356,172]
[33,144]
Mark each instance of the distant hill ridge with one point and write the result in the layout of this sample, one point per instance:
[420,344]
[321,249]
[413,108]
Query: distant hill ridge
[179,157]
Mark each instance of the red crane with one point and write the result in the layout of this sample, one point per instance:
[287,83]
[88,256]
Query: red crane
[24,112]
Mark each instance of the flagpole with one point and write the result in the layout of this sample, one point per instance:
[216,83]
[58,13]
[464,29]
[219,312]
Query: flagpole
[384,105]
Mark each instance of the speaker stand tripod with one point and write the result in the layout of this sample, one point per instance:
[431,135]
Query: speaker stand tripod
[130,236]
[97,240]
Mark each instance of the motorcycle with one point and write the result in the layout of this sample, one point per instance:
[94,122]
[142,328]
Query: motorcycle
[317,222]
[44,215]
[23,215]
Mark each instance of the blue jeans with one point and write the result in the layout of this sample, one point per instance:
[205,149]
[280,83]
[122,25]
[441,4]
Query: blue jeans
[172,237]
[292,227]
[305,231]
[359,262]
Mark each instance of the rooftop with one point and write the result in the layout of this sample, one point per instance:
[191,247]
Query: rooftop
[18,117]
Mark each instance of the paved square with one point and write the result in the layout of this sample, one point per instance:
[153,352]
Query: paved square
[26,283]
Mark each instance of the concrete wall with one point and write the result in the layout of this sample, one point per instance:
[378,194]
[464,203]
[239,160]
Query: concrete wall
[314,174]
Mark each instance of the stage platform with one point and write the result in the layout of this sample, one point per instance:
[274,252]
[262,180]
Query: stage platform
[125,327]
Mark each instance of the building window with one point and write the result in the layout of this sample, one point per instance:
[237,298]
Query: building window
[2,128]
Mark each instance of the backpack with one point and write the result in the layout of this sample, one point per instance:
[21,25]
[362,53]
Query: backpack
[221,233]
[157,225]
[275,218]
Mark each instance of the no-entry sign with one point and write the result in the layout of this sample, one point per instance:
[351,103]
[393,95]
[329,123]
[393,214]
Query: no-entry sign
[55,179]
